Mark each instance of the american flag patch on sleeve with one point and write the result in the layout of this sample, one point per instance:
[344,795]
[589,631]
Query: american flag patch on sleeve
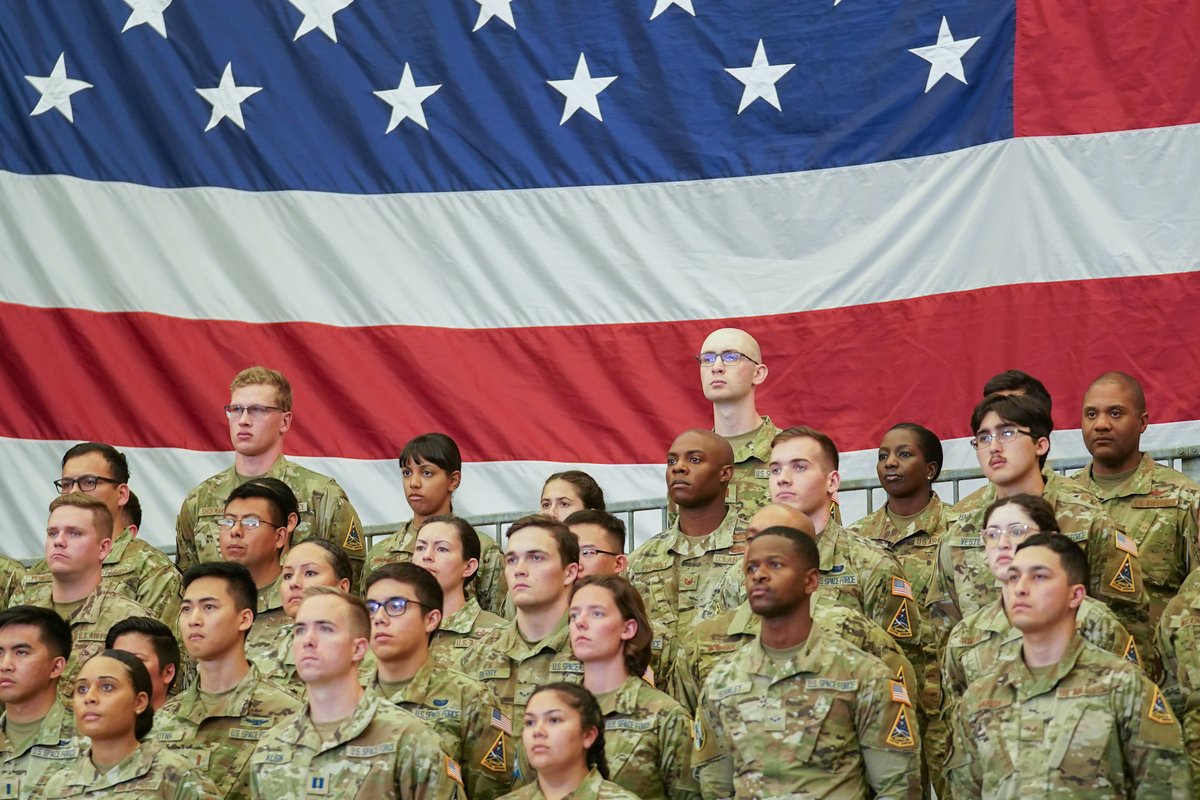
[501,722]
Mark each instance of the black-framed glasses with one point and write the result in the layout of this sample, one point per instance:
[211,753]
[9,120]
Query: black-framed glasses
[592,552]
[249,523]
[85,483]
[255,412]
[1002,435]
[1016,532]
[393,606]
[728,358]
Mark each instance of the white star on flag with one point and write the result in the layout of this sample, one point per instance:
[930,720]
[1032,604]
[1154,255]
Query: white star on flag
[406,100]
[662,5]
[945,57]
[582,91]
[318,14]
[501,9]
[759,79]
[56,90]
[147,12]
[227,99]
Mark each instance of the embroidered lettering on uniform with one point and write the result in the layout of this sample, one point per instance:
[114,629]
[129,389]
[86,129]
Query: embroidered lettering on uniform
[112,572]
[453,772]
[1131,652]
[370,751]
[278,621]
[430,713]
[628,724]
[573,667]
[901,588]
[967,541]
[1078,536]
[920,541]
[1125,543]
[274,758]
[463,642]
[831,684]
[737,550]
[353,541]
[246,734]
[731,690]
[500,721]
[1089,690]
[720,647]
[1159,710]
[212,511]
[1123,580]
[92,636]
[762,474]
[496,759]
[656,644]
[168,736]
[900,627]
[901,734]
[490,674]
[721,558]
[900,693]
[839,580]
[55,752]
[1154,502]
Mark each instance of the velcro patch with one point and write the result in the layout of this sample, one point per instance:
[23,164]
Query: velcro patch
[1159,710]
[318,784]
[571,667]
[1154,502]
[1088,690]
[1126,543]
[370,751]
[453,772]
[353,541]
[901,735]
[900,626]
[762,474]
[10,788]
[839,580]
[1123,580]
[967,541]
[55,752]
[496,759]
[721,558]
[899,693]
[628,724]
[492,674]
[831,684]
[902,588]
[1131,652]
[212,511]
[731,690]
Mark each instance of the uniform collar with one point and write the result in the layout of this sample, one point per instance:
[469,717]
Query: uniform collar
[927,522]
[807,659]
[759,446]
[463,620]
[135,765]
[236,703]
[624,700]
[722,538]
[507,640]
[271,598]
[1026,686]
[302,731]
[1141,482]
[58,727]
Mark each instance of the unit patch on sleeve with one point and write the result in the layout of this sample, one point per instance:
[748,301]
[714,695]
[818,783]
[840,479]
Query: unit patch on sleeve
[900,627]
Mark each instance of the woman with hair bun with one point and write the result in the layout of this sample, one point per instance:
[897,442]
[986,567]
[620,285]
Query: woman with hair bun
[564,493]
[111,699]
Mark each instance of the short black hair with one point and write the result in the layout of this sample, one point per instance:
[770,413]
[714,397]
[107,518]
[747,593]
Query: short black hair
[468,538]
[1014,380]
[131,512]
[1074,560]
[139,676]
[612,524]
[238,581]
[1018,410]
[165,645]
[927,440]
[115,458]
[426,588]
[338,559]
[433,448]
[280,496]
[53,630]
[805,545]
[568,543]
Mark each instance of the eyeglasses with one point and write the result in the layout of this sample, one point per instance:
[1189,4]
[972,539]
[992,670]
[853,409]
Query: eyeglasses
[1002,435]
[1015,531]
[86,483]
[393,606]
[728,358]
[255,412]
[592,552]
[248,523]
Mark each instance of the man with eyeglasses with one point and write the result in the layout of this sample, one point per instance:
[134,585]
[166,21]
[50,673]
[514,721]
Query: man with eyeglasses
[541,562]
[731,369]
[405,604]
[259,517]
[132,566]
[260,414]
[1012,440]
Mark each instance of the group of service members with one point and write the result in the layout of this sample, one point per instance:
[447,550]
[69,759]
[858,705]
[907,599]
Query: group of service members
[1034,640]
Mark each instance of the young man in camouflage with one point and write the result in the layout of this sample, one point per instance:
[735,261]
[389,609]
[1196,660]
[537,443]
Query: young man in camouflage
[346,742]
[1012,440]
[731,370]
[679,571]
[132,566]
[1066,719]
[259,415]
[1156,505]
[541,560]
[800,713]
[405,605]
[36,731]
[78,537]
[216,722]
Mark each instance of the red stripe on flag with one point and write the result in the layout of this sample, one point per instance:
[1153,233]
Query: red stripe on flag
[1105,65]
[602,394]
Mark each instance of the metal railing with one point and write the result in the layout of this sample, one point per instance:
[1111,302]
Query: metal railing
[635,512]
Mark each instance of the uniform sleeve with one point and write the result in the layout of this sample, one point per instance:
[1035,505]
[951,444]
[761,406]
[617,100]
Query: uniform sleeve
[428,773]
[889,740]
[712,753]
[1152,742]
[1178,643]
[492,585]
[675,747]
[489,750]
[194,785]
[941,597]
[963,773]
[338,522]
[160,592]
[677,676]
[1118,580]
[185,534]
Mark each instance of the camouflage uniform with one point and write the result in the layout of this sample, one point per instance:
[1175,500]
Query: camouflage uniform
[381,751]
[964,583]
[271,625]
[89,623]
[749,489]
[489,584]
[464,713]
[461,630]
[512,668]
[23,772]
[1179,643]
[219,740]
[325,511]
[278,663]
[1093,727]
[150,773]
[679,575]
[915,547]
[670,669]
[1157,507]
[830,722]
[12,575]
[648,742]
[593,787]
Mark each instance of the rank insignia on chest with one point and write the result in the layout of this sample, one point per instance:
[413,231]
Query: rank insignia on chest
[901,734]
[1159,712]
[1131,652]
[10,788]
[318,784]
[1123,580]
[900,626]
[496,759]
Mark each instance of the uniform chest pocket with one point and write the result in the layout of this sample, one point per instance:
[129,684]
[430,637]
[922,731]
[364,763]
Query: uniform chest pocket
[1079,749]
[820,730]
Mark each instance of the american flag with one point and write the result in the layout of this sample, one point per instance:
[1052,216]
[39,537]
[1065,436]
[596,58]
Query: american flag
[515,220]
[900,693]
[501,722]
